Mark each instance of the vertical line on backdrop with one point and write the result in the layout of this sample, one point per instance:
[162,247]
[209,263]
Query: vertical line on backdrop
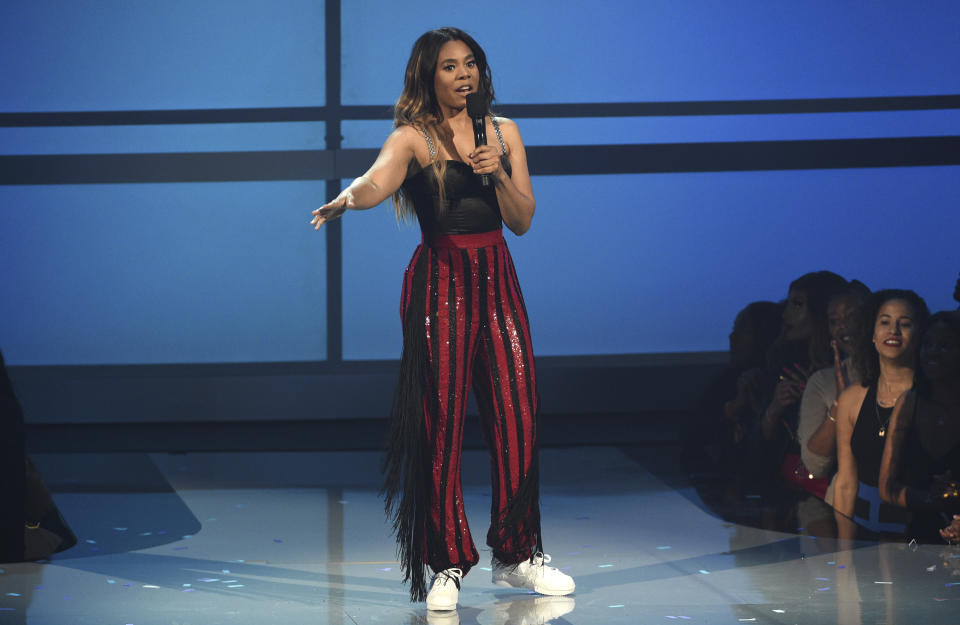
[333,230]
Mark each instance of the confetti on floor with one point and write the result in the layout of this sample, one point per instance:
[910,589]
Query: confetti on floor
[704,572]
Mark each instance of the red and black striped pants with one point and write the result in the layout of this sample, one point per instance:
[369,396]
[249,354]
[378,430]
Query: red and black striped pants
[462,301]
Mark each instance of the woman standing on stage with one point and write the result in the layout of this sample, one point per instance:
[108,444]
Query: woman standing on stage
[464,325]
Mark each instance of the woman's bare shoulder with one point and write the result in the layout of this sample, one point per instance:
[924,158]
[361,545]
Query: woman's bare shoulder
[408,140]
[851,399]
[853,393]
[406,133]
[507,125]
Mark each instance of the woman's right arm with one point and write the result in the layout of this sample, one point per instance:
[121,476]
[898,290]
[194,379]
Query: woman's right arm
[379,182]
[845,486]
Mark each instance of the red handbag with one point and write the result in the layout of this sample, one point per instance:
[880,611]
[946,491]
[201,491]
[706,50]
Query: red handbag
[796,474]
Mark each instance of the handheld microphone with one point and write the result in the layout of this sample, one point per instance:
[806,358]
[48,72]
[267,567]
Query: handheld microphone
[477,110]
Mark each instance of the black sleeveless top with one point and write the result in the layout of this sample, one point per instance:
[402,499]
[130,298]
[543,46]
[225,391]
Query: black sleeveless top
[867,444]
[866,441]
[468,206]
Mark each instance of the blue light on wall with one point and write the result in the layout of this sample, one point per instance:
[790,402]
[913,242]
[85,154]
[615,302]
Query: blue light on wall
[615,264]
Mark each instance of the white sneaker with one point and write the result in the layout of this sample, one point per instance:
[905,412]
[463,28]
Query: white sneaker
[445,590]
[532,610]
[533,574]
[441,617]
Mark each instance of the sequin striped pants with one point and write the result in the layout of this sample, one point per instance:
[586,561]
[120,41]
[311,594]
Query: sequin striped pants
[477,336]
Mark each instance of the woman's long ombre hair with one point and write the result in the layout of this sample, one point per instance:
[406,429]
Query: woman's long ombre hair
[418,106]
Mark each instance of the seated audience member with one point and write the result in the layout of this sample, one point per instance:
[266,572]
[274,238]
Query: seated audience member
[921,462]
[12,477]
[956,292]
[803,345]
[951,533]
[728,405]
[887,365]
[816,430]
[31,527]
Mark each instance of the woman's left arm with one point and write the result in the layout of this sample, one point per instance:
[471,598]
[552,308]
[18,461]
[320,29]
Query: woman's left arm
[514,192]
[892,489]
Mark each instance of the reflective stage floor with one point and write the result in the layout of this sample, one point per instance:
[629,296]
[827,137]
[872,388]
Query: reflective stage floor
[300,537]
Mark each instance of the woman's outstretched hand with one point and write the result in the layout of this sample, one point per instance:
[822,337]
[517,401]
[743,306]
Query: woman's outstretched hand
[333,209]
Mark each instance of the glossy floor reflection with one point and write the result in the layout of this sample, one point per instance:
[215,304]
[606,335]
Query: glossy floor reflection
[208,538]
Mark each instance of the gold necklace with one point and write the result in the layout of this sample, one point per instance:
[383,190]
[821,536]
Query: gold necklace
[883,424]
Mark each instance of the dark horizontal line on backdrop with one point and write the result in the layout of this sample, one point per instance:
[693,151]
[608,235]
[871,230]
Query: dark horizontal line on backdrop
[190,371]
[544,161]
[556,110]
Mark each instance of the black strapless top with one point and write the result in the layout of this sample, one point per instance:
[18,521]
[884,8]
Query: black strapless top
[469,207]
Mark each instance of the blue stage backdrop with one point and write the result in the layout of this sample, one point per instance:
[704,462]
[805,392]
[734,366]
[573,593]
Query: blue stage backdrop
[615,263]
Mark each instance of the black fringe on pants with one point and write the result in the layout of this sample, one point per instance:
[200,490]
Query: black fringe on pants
[405,487]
